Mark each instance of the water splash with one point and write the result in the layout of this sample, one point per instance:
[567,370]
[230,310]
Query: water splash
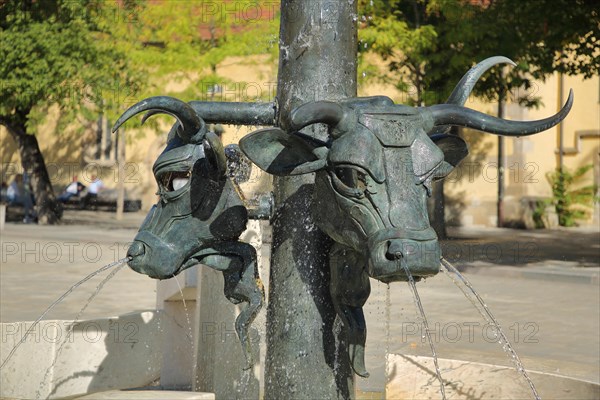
[489,317]
[413,287]
[61,298]
[187,313]
[72,324]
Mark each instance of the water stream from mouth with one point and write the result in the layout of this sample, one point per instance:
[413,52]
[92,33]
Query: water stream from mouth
[463,284]
[187,313]
[413,287]
[61,298]
[71,326]
[388,335]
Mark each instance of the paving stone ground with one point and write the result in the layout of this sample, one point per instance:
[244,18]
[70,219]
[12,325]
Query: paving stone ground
[543,287]
[39,263]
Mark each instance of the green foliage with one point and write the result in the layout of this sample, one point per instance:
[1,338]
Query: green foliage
[93,55]
[405,39]
[568,198]
[539,213]
[191,39]
[59,52]
[542,37]
[429,44]
[548,35]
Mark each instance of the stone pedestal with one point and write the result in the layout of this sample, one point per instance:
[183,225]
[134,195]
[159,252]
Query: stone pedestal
[179,318]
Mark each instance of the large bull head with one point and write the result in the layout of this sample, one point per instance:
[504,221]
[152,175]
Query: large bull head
[373,176]
[199,216]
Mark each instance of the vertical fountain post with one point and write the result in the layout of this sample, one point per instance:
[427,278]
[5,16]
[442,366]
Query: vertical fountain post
[305,358]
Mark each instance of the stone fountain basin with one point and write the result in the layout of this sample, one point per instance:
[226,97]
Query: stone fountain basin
[413,377]
[106,356]
[99,355]
[148,395]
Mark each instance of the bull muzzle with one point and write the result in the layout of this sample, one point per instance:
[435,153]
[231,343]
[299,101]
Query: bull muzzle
[150,255]
[390,248]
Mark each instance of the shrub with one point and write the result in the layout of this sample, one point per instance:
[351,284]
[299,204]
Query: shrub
[571,203]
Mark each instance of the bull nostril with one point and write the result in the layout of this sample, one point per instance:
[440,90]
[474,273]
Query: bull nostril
[135,250]
[394,251]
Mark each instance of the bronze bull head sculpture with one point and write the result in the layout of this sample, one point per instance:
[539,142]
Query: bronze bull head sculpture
[200,214]
[372,180]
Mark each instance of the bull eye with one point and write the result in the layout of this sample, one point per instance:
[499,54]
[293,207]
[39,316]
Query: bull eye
[349,181]
[178,183]
[347,176]
[174,180]
[361,181]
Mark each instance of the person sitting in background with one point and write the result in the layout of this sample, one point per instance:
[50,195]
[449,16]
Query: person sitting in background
[13,193]
[19,193]
[3,194]
[73,189]
[91,198]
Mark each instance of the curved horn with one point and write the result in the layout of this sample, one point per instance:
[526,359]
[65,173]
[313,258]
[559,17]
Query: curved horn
[450,114]
[218,153]
[149,114]
[192,128]
[327,112]
[463,89]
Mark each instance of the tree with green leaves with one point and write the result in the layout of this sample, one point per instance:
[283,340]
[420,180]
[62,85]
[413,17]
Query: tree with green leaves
[429,44]
[56,52]
[415,39]
[564,38]
[93,56]
[190,40]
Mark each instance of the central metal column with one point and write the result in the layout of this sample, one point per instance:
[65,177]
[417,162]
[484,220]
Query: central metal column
[305,359]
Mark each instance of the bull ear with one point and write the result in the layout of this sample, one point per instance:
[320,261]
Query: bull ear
[280,153]
[455,149]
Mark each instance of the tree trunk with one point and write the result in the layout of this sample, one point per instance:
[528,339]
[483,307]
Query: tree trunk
[500,205]
[47,208]
[121,171]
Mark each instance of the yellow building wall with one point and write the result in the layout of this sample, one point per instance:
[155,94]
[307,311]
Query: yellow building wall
[472,189]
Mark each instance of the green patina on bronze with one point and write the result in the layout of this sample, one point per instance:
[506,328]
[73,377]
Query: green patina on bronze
[373,176]
[200,214]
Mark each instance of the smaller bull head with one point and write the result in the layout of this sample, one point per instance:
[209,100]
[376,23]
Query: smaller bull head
[198,204]
[199,216]
[372,179]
